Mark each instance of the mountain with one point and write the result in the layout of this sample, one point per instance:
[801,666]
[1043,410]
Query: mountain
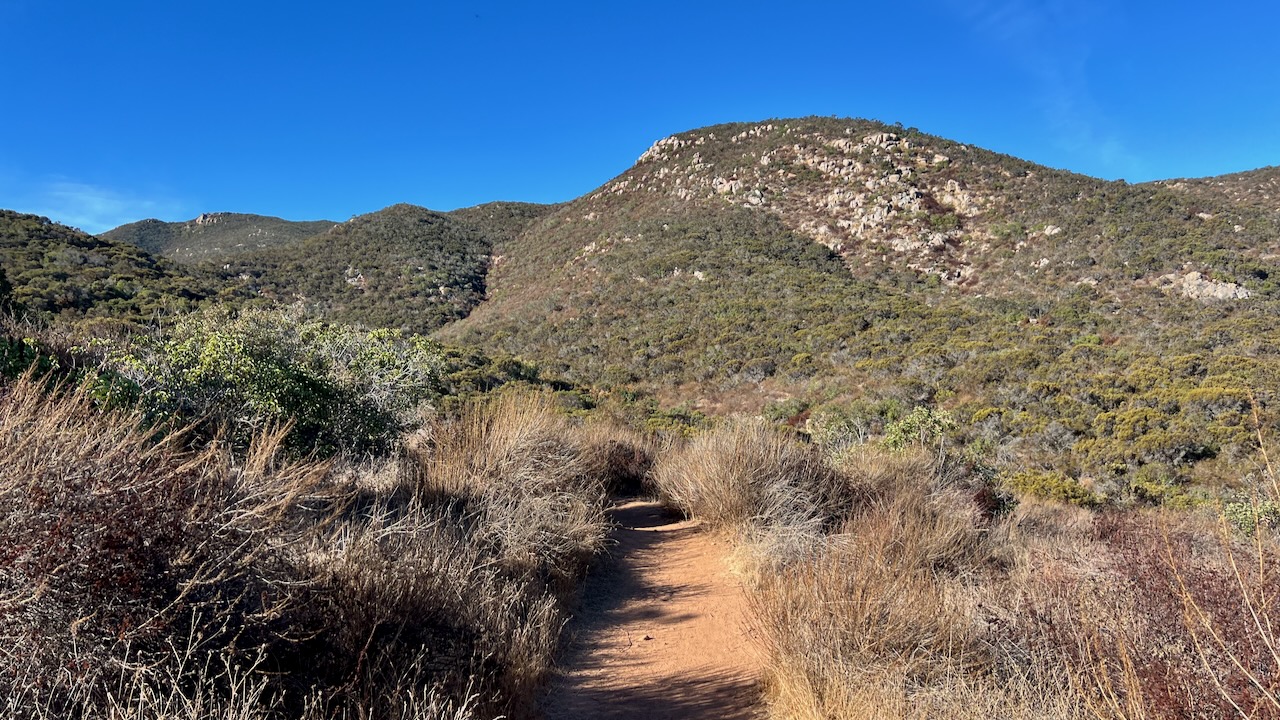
[55,270]
[403,266]
[214,236]
[839,273]
[861,269]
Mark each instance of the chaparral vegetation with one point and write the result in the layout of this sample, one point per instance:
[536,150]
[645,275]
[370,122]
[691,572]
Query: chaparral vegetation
[988,439]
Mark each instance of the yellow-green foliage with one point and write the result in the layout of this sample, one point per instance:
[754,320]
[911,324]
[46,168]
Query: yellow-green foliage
[1052,486]
[340,387]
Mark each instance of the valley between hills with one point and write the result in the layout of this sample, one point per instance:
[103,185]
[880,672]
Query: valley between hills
[978,438]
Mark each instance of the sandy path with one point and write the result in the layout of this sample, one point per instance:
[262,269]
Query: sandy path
[661,633]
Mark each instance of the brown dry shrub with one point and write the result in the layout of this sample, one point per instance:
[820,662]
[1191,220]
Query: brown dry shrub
[895,614]
[143,579]
[1174,620]
[122,551]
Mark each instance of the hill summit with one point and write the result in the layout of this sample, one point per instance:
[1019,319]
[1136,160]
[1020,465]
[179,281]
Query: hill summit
[214,236]
[850,267]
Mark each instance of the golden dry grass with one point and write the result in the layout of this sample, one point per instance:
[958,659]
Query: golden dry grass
[145,579]
[900,589]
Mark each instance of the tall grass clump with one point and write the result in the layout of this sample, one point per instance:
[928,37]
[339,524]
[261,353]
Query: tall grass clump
[146,576]
[898,610]
[878,580]
[747,475]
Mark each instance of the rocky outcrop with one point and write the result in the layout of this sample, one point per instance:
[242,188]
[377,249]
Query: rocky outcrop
[864,195]
[1198,287]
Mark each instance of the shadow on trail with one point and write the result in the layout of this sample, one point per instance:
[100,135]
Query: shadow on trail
[613,678]
[711,695]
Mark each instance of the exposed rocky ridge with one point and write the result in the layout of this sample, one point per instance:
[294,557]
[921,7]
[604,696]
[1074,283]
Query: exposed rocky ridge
[972,218]
[741,263]
[858,194]
[215,236]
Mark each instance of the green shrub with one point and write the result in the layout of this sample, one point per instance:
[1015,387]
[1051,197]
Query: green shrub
[341,388]
[680,421]
[1159,485]
[1248,516]
[921,426]
[1051,486]
[784,410]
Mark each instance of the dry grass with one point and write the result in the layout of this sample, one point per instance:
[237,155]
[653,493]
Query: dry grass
[880,584]
[898,612]
[144,579]
[123,550]
[909,596]
[747,475]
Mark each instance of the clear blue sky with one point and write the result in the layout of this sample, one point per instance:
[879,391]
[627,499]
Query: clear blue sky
[116,111]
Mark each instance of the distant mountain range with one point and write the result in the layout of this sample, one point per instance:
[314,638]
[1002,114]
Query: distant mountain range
[816,266]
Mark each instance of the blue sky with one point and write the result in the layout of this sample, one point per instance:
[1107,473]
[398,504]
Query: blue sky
[113,112]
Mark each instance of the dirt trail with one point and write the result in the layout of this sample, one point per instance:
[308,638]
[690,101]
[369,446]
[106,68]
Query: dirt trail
[662,632]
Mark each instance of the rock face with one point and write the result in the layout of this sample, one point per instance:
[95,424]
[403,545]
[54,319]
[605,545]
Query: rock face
[1198,287]
[870,194]
[881,197]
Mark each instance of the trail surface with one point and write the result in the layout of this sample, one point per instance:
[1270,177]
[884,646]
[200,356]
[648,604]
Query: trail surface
[662,632]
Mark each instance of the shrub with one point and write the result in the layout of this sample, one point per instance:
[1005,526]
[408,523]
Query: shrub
[1053,486]
[341,388]
[1177,625]
[126,554]
[748,473]
[1250,516]
[922,426]
[147,580]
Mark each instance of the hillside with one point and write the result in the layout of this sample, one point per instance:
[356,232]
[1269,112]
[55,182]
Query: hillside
[57,270]
[501,221]
[1257,190]
[987,386]
[403,266]
[214,236]
[854,270]
[832,273]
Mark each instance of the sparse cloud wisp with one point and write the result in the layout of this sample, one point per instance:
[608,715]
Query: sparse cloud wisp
[92,208]
[1051,44]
